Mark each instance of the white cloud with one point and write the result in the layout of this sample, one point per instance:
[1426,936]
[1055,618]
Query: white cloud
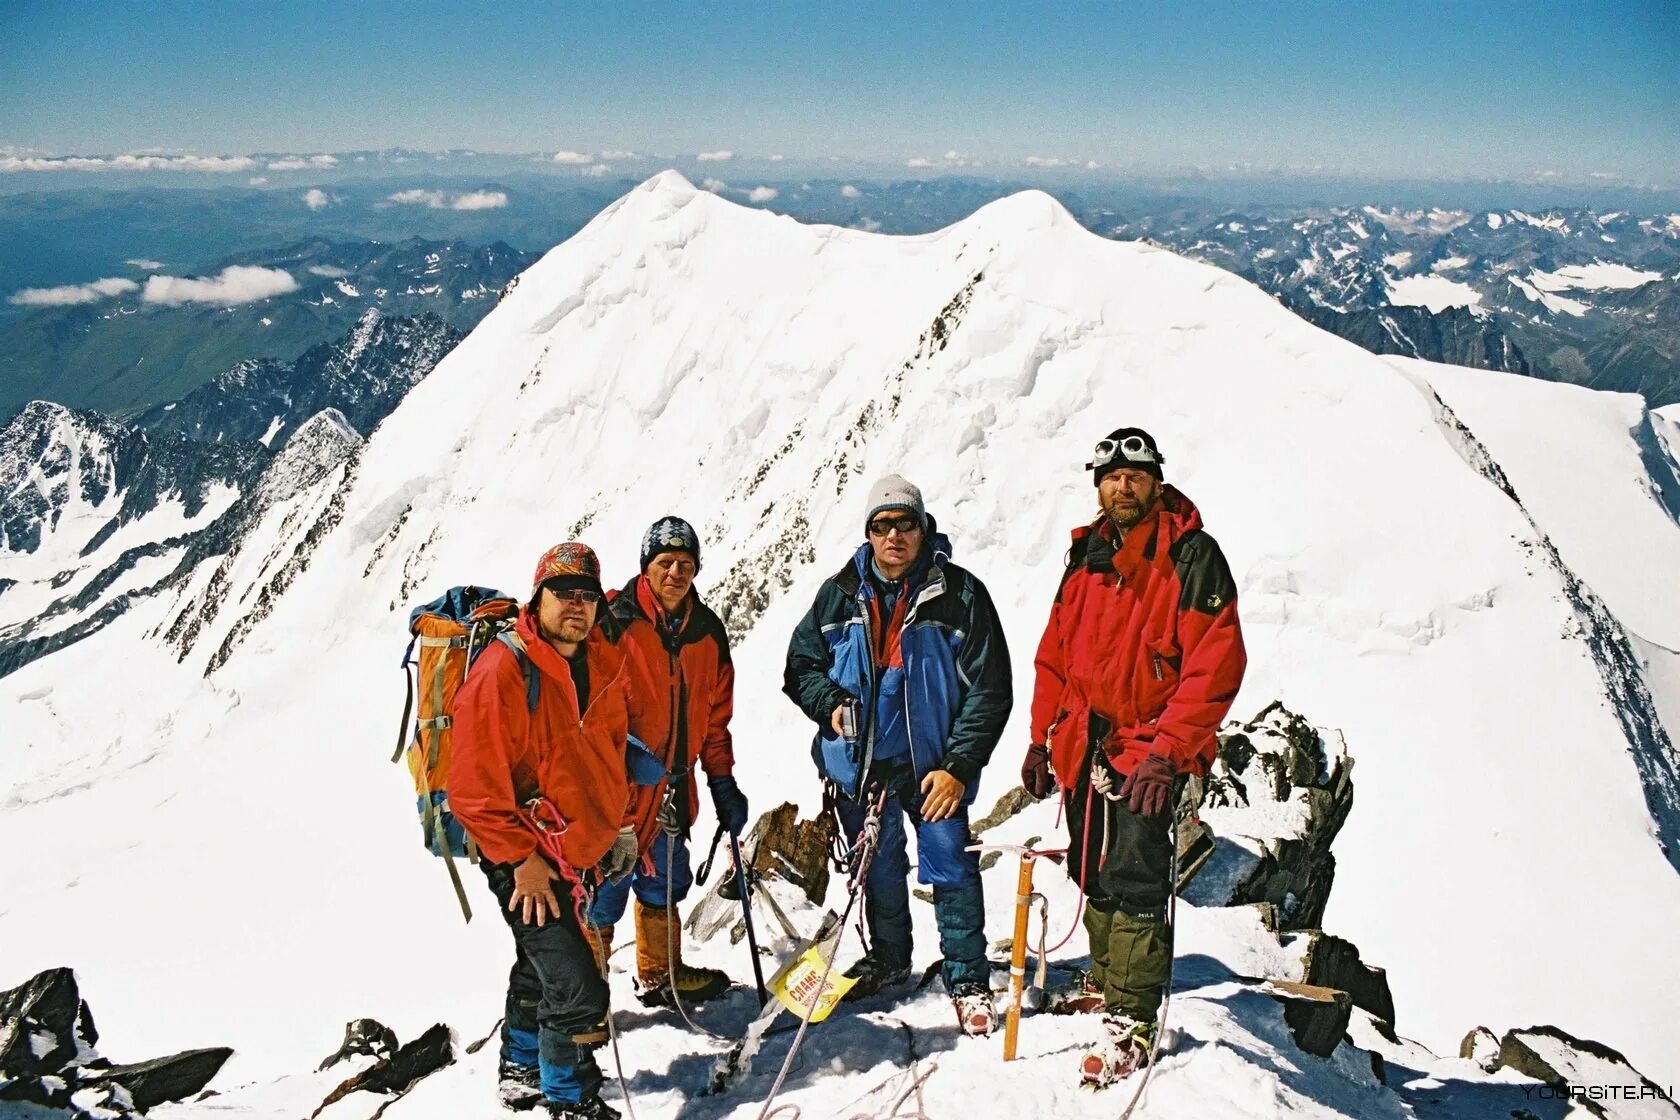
[1092,165]
[849,191]
[715,157]
[952,158]
[234,285]
[868,225]
[143,263]
[716,186]
[762,194]
[777,158]
[317,199]
[418,197]
[257,180]
[596,170]
[127,163]
[302,163]
[332,272]
[616,153]
[71,294]
[571,157]
[438,200]
[1046,161]
[480,200]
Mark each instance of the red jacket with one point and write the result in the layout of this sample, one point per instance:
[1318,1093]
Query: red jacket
[1145,637]
[681,697]
[506,754]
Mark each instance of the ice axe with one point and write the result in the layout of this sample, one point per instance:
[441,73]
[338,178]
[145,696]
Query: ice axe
[745,886]
[1018,950]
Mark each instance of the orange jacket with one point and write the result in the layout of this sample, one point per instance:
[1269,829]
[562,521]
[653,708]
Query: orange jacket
[681,696]
[506,755]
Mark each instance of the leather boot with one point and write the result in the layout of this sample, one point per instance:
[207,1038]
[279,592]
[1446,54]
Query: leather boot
[600,944]
[656,966]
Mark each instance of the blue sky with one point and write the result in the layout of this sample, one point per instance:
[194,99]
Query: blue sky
[1416,89]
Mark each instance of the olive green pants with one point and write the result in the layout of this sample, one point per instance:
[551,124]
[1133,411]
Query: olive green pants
[1130,959]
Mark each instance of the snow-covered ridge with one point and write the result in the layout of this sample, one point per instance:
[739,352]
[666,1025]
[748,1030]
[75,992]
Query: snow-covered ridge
[682,354]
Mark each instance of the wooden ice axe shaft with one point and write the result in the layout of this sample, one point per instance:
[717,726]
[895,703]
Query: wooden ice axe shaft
[1018,957]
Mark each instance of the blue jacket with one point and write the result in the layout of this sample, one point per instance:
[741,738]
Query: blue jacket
[950,675]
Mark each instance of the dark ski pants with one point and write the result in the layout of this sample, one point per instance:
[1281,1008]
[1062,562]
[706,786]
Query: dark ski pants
[557,1000]
[943,863]
[1124,862]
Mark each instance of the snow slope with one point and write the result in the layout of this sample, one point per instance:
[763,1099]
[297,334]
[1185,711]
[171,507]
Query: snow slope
[231,859]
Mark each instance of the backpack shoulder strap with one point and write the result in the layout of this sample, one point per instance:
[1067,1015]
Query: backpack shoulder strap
[533,683]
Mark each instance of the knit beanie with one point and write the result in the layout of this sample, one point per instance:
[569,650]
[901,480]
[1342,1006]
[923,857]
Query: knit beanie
[670,534]
[895,492]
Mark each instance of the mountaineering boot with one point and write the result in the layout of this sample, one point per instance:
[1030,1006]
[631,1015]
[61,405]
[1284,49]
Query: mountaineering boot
[1123,1049]
[600,940]
[872,975]
[590,1108]
[657,967]
[518,1087]
[976,1014]
[1083,996]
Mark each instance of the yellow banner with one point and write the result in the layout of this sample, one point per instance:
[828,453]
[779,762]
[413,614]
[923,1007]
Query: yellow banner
[802,991]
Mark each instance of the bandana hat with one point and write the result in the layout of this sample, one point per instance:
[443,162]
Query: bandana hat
[574,559]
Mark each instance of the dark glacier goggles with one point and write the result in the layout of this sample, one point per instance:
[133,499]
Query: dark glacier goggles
[566,589]
[905,523]
[1132,449]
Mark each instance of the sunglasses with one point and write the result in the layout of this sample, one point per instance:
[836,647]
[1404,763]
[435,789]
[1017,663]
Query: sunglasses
[904,523]
[576,595]
[1132,449]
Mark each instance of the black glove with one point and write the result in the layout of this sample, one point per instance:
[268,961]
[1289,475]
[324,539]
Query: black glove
[1148,788]
[1035,772]
[730,803]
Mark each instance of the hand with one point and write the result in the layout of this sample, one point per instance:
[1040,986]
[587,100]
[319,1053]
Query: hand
[730,803]
[533,891]
[1036,777]
[1149,787]
[834,720]
[620,859]
[944,796]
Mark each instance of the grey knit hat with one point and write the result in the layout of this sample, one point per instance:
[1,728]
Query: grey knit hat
[895,492]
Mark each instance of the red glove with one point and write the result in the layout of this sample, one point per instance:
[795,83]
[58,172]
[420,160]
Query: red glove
[1035,773]
[1148,788]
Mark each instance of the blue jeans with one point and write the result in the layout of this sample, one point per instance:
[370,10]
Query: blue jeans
[670,875]
[943,863]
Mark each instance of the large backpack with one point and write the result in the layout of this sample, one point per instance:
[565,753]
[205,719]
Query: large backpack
[449,633]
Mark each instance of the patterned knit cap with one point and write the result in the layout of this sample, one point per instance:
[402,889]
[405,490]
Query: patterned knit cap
[574,562]
[670,534]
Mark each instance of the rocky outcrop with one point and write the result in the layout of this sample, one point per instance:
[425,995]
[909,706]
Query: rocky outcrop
[47,1057]
[1589,1074]
[1275,798]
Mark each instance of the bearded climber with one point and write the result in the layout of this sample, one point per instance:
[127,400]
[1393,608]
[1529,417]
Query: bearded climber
[1137,668]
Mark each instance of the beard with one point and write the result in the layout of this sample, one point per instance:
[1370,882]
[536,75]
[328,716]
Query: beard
[1125,514]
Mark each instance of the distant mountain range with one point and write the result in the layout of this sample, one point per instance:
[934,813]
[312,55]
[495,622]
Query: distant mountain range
[127,353]
[1574,295]
[97,513]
